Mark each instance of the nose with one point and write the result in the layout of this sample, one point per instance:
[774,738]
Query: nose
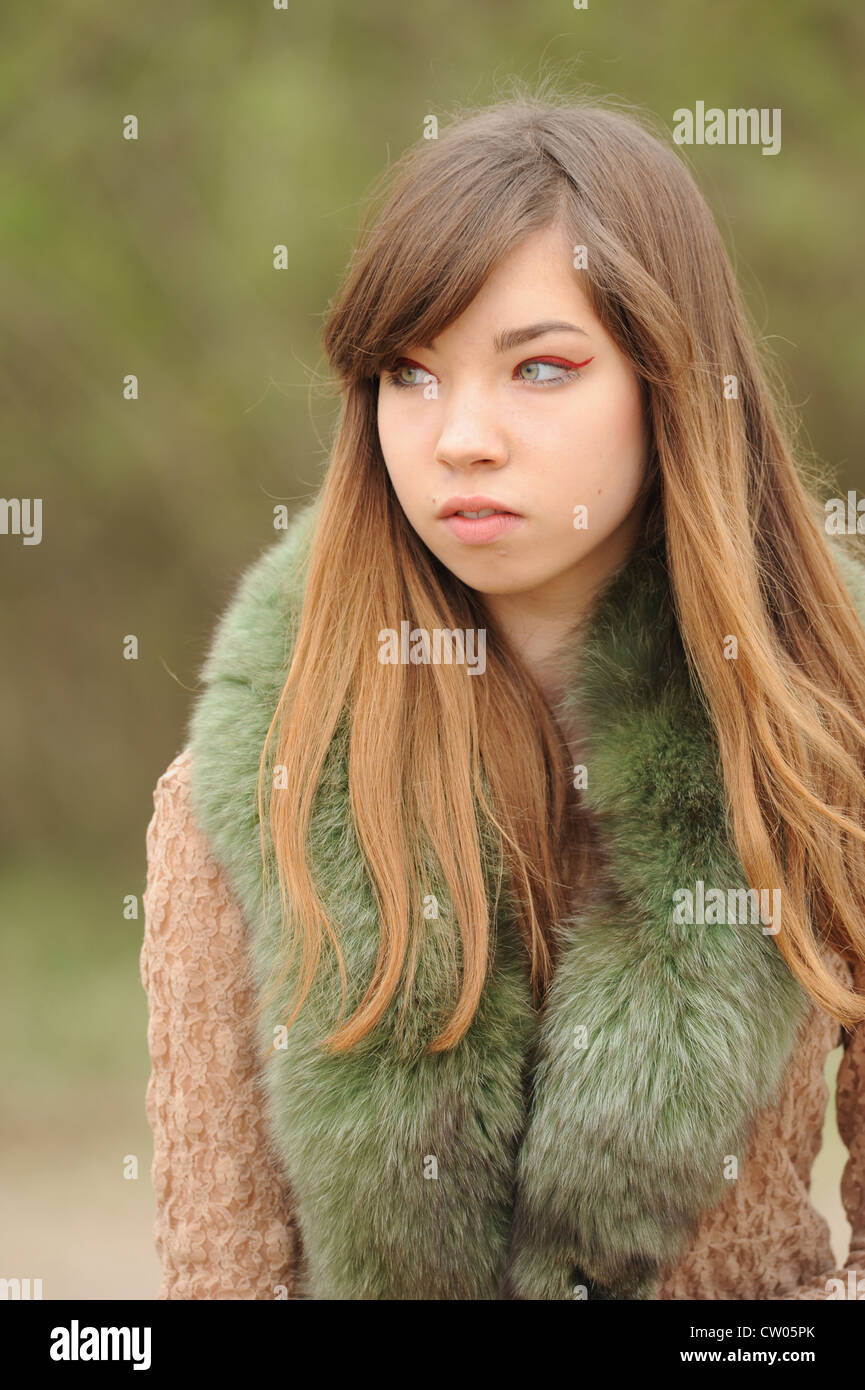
[471,435]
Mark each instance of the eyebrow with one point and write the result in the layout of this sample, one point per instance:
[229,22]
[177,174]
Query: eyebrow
[513,337]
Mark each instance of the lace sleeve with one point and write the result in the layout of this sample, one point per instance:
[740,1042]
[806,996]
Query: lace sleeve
[224,1227]
[850,1110]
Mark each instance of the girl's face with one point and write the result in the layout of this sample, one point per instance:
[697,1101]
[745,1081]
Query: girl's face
[525,405]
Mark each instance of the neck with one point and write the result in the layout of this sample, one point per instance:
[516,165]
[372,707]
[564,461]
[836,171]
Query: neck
[543,625]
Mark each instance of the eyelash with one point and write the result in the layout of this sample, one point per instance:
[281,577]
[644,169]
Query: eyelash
[571,374]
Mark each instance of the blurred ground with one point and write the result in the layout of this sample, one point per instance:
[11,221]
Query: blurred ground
[67,1215]
[73,1017]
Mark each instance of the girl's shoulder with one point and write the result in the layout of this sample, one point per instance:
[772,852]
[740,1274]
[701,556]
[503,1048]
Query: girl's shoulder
[186,892]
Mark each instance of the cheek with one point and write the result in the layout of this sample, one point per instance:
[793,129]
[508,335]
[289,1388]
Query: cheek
[399,452]
[626,425]
[605,468]
[390,439]
[600,449]
[613,450]
[400,436]
[383,424]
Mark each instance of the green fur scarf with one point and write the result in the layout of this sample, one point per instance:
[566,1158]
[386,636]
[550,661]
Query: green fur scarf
[557,1154]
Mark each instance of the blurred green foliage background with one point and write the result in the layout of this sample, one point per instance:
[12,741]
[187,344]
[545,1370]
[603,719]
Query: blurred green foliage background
[260,126]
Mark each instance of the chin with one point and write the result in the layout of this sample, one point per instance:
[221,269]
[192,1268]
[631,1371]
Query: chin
[487,585]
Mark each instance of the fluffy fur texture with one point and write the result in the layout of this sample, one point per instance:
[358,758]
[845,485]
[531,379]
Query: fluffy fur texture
[558,1164]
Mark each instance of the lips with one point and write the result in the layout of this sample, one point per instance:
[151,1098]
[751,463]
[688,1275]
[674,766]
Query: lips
[473,504]
[483,529]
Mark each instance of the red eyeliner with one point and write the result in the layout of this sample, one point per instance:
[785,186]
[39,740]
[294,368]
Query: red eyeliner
[551,361]
[558,361]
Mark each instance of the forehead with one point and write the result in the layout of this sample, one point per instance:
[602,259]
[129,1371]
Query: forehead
[535,283]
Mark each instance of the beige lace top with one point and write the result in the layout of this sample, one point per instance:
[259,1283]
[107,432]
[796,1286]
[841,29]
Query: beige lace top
[225,1226]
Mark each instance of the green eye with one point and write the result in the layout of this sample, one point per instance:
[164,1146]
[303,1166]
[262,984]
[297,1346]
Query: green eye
[539,370]
[396,374]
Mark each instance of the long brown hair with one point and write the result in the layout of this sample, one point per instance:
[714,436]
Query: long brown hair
[427,747]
